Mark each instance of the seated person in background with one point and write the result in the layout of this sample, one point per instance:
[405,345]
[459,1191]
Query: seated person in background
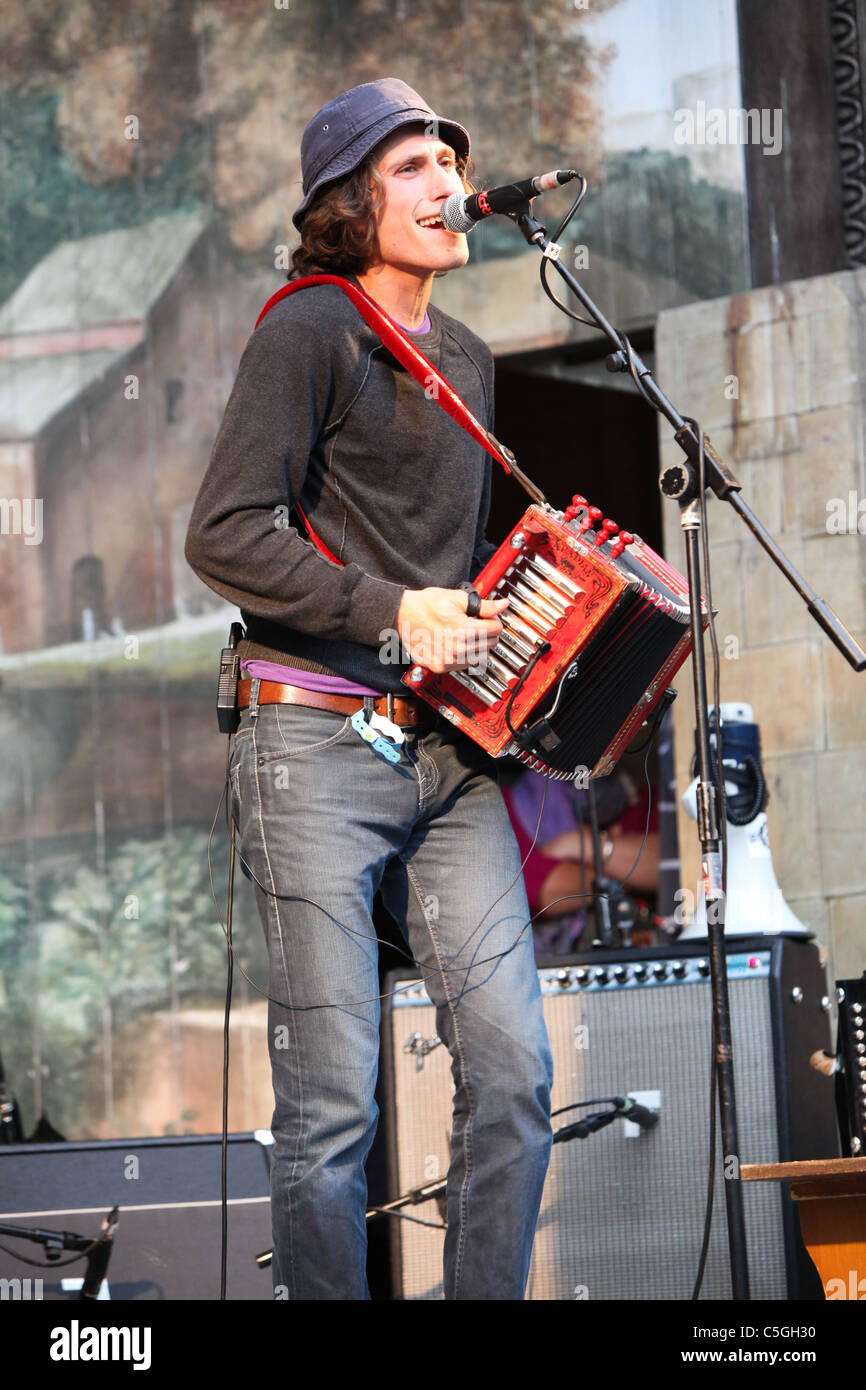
[558,872]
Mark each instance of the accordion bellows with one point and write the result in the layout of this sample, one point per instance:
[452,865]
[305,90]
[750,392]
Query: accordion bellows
[595,630]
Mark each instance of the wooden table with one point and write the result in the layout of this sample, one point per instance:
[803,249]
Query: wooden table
[831,1199]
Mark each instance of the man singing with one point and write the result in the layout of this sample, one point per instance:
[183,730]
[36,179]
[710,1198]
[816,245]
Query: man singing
[393,499]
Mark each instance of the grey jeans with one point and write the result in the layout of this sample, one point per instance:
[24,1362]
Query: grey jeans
[324,822]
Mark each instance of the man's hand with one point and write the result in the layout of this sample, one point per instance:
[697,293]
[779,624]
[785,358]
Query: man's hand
[436,632]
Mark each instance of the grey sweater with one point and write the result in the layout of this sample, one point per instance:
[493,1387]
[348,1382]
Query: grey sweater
[322,414]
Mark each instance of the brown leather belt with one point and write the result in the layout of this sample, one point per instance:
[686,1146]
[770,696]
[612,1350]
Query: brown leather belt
[402,710]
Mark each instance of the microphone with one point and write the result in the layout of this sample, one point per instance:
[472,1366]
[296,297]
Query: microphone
[461,211]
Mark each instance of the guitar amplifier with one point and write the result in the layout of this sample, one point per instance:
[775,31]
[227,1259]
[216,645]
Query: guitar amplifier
[168,1238]
[623,1210]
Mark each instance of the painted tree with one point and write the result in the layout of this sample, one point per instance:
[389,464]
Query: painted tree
[128,110]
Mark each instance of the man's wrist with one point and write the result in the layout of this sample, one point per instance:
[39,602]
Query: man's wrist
[375,607]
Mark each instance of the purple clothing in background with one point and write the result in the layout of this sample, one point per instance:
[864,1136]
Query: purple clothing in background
[559,807]
[566,804]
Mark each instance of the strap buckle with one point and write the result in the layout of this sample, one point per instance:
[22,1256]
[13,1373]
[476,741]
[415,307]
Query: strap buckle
[372,727]
[255,686]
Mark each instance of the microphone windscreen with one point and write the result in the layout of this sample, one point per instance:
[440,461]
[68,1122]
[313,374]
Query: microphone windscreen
[454,216]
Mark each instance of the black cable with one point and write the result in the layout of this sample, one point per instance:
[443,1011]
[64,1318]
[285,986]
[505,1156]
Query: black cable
[419,965]
[225,1078]
[748,773]
[576,1105]
[711,1175]
[633,371]
[717,715]
[225,1096]
[294,897]
[661,709]
[225,795]
[578,318]
[622,340]
[542,647]
[50,1264]
[719,782]
[477,927]
[584,830]
[626,348]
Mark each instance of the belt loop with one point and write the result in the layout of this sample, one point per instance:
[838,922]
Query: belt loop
[369,707]
[391,707]
[255,685]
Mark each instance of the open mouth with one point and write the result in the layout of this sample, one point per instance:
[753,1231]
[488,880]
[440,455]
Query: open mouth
[434,222]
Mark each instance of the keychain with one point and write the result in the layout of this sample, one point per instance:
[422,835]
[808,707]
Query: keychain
[368,731]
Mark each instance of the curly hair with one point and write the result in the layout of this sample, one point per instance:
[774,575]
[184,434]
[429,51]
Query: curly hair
[339,231]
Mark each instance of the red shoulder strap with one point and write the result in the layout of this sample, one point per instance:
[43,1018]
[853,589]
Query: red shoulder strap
[420,367]
[406,353]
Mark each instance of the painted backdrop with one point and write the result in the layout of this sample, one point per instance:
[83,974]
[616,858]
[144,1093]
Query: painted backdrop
[149,166]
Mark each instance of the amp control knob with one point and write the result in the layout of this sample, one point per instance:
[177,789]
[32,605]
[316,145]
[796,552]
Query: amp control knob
[660,970]
[621,974]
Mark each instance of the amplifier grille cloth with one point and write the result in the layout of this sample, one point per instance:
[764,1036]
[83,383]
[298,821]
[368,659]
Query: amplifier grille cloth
[621,1218]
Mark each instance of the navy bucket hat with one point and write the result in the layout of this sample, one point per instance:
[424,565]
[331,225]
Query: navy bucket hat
[344,131]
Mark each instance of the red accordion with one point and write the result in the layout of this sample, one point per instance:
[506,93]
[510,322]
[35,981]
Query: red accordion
[596,627]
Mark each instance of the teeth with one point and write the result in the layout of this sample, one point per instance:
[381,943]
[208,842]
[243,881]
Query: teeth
[430,222]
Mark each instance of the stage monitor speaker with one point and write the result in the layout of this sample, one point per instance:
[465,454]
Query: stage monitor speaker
[167,1242]
[622,1211]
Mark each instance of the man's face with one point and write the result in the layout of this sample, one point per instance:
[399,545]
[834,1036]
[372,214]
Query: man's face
[419,173]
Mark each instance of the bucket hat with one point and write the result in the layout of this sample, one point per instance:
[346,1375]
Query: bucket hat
[344,131]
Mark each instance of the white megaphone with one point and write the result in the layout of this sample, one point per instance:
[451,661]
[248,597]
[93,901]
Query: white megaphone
[753,903]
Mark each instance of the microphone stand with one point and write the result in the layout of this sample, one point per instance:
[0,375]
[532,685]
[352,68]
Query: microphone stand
[98,1251]
[428,1190]
[680,482]
[413,1198]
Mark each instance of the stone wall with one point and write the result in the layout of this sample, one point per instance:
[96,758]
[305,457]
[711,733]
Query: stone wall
[777,378]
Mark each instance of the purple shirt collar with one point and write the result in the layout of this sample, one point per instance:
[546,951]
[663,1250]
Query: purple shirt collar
[425,327]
